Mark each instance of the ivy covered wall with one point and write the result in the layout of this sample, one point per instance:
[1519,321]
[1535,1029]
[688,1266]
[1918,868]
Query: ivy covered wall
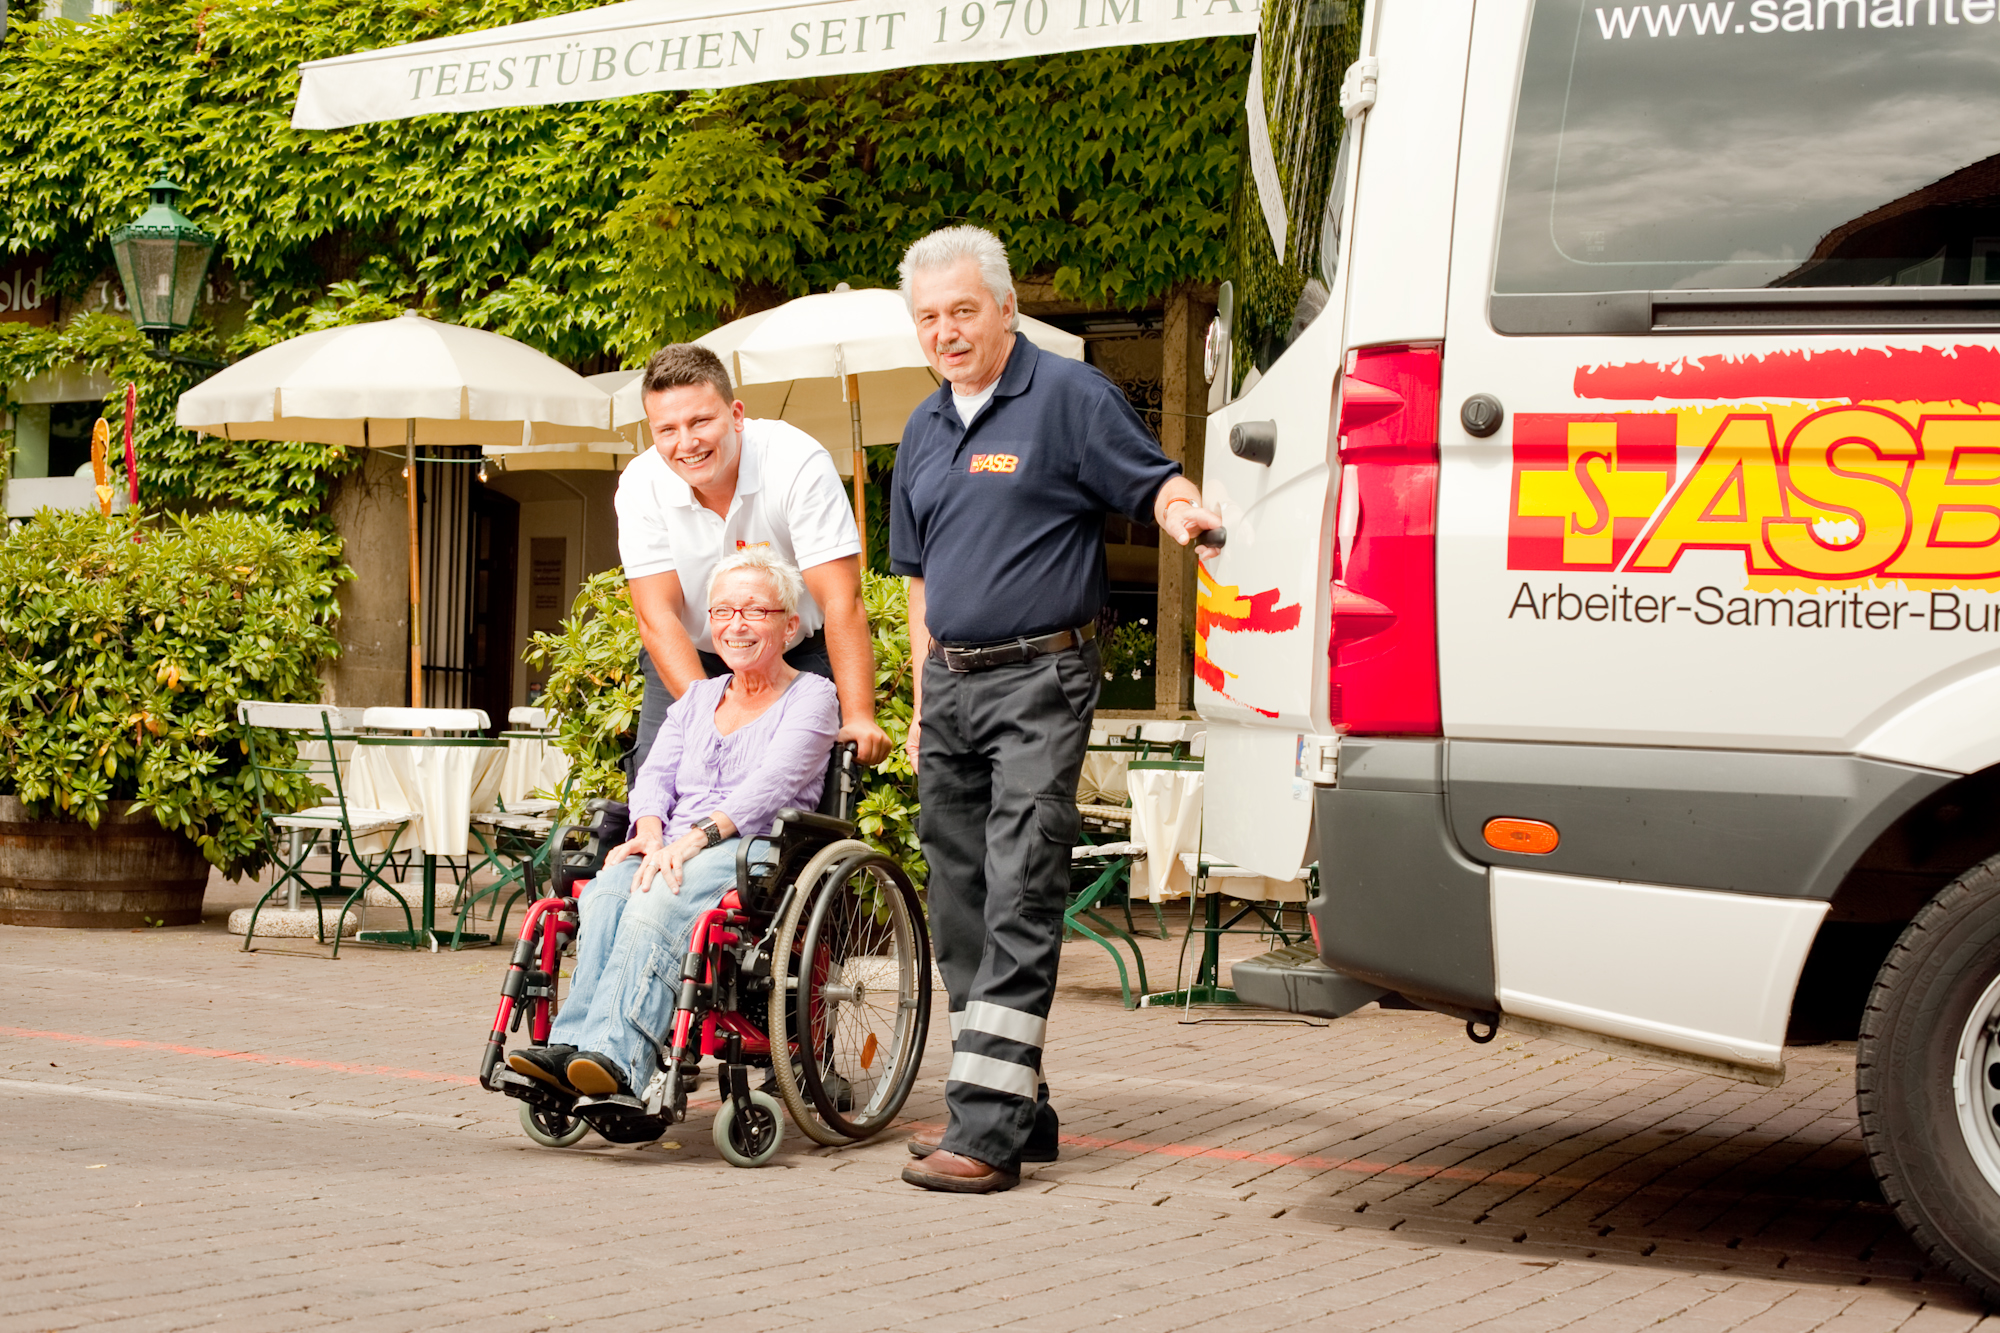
[594,231]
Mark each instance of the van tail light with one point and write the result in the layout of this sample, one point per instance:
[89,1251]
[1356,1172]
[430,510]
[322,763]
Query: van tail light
[1384,677]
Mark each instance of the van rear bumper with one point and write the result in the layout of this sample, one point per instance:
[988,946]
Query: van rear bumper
[1400,906]
[1406,898]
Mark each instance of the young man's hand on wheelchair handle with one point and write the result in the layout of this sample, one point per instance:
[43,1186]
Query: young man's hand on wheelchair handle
[871,743]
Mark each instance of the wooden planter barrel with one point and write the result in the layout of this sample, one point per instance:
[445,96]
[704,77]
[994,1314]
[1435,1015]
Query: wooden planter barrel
[128,871]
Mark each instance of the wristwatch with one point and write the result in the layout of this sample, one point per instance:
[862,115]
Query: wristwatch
[710,830]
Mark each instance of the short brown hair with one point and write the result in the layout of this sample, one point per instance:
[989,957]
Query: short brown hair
[679,364]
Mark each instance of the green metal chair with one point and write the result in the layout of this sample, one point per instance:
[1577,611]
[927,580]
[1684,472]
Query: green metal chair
[1106,821]
[1111,865]
[328,826]
[517,845]
[515,842]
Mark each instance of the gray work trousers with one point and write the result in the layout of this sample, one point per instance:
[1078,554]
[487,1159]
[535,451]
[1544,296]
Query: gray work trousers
[997,767]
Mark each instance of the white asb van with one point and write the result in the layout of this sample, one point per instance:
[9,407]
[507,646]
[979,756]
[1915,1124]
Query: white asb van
[1606,417]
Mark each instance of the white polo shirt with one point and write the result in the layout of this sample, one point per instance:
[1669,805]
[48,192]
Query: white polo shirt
[788,497]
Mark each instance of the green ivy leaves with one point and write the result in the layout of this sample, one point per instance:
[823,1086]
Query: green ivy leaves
[597,230]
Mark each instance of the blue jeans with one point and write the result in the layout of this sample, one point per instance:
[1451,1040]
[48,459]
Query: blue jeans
[628,958]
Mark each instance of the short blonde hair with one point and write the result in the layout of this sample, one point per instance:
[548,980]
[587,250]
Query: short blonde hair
[785,579]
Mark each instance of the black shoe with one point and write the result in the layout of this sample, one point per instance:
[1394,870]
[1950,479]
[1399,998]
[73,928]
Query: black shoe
[545,1064]
[596,1075]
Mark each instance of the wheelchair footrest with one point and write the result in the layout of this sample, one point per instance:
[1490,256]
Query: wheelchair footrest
[616,1103]
[532,1091]
[621,1119]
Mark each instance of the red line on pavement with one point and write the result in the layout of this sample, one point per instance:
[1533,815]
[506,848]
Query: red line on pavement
[1353,1165]
[250,1057]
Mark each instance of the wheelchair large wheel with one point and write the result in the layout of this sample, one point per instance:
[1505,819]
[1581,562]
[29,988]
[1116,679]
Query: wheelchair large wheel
[853,996]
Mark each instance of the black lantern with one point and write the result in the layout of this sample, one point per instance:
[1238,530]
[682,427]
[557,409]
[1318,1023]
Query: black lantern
[162,262]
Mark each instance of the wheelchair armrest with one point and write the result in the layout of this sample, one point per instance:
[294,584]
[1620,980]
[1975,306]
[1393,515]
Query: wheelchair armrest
[609,822]
[788,818]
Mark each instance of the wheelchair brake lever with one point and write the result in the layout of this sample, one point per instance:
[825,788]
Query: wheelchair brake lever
[656,1091]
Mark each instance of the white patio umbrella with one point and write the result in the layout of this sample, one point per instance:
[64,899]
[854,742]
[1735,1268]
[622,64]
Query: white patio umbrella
[844,366]
[409,380]
[592,455]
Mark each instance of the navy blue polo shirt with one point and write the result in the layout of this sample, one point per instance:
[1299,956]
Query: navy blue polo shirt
[1004,519]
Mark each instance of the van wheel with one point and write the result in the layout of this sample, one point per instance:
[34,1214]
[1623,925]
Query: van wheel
[1927,1078]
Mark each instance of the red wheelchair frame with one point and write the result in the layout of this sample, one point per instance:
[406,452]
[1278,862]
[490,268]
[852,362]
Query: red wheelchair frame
[819,894]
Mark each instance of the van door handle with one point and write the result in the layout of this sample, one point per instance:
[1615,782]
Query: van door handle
[1254,441]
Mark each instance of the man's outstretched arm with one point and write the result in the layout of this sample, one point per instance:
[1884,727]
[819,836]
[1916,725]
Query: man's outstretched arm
[836,586]
[657,601]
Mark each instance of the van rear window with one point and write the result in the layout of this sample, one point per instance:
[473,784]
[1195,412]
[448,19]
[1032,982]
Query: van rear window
[1755,143]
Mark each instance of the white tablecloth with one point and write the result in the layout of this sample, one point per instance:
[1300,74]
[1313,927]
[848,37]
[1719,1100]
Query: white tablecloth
[313,753]
[1166,818]
[444,784]
[1233,881]
[1103,778]
[533,764]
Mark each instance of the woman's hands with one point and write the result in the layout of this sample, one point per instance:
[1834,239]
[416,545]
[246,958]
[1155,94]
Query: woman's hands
[662,858]
[666,861]
[649,838]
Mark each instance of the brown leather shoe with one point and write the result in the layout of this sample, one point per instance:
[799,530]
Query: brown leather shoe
[949,1173]
[923,1142]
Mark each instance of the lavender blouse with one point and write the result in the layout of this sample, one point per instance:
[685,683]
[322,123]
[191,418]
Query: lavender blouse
[757,770]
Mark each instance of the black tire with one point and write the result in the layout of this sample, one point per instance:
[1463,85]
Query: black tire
[1928,1034]
[864,995]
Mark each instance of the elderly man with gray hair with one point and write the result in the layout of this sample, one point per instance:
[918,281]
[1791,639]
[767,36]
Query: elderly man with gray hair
[1003,480]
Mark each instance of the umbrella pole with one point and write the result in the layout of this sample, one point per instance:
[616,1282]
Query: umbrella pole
[416,570]
[860,465]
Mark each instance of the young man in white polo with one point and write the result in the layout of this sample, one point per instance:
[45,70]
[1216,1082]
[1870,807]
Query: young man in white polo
[714,483]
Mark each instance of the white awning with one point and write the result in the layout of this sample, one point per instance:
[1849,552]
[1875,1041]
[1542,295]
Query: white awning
[646,46]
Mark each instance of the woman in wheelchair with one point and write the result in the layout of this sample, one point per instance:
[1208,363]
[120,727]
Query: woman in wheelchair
[733,751]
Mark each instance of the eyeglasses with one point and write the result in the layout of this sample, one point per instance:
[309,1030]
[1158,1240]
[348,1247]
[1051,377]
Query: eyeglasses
[721,615]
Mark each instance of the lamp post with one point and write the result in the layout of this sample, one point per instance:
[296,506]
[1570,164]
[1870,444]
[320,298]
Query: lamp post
[162,262]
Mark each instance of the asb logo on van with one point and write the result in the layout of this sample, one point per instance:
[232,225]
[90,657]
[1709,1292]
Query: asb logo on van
[1856,466]
[1585,486]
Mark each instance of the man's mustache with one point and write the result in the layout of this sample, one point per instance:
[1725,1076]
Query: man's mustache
[958,345]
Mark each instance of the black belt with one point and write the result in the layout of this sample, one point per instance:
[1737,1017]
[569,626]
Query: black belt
[1007,652]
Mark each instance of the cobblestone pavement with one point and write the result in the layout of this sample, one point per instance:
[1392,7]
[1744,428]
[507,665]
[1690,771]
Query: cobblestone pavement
[198,1137]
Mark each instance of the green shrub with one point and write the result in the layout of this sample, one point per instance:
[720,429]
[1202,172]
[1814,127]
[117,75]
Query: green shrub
[595,689]
[125,644]
[1127,651]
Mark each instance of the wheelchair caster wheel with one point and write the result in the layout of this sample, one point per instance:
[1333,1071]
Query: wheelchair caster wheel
[552,1129]
[753,1138]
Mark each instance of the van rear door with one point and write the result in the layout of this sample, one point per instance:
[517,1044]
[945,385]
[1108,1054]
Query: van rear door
[1730,269]
[1367,242]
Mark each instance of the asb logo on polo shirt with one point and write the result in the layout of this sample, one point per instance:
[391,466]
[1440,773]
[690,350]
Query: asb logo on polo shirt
[994,463]
[1842,468]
